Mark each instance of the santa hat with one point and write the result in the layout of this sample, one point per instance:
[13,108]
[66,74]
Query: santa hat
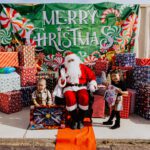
[70,55]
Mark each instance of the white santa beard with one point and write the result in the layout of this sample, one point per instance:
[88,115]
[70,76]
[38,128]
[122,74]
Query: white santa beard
[73,71]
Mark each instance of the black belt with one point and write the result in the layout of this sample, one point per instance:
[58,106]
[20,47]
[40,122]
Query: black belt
[79,85]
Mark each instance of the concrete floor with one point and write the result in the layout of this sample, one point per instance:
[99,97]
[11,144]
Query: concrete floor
[16,126]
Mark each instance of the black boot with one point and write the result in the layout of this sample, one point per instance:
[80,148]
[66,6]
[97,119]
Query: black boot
[81,115]
[73,123]
[117,122]
[110,122]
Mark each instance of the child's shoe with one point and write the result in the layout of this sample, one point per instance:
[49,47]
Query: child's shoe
[116,125]
[109,122]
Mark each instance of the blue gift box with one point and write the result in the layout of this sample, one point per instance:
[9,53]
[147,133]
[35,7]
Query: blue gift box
[27,95]
[125,59]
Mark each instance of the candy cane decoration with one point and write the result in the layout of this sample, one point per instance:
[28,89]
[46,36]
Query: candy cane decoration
[109,11]
[10,19]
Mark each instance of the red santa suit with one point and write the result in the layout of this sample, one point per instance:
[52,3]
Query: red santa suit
[76,93]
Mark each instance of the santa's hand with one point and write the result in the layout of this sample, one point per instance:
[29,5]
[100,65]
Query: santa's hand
[93,86]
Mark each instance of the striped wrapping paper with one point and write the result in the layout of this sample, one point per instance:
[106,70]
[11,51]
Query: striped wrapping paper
[26,55]
[9,59]
[143,61]
[28,76]
[10,102]
[125,59]
[9,82]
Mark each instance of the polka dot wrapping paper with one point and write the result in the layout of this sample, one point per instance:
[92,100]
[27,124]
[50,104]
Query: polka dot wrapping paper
[28,76]
[125,59]
[10,102]
[9,82]
[142,106]
[26,56]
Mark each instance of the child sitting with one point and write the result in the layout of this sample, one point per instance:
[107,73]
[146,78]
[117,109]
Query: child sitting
[41,96]
[117,81]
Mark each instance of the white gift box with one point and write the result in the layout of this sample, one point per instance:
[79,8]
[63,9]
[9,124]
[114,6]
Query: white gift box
[9,82]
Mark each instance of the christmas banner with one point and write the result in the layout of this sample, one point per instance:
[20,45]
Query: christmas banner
[89,30]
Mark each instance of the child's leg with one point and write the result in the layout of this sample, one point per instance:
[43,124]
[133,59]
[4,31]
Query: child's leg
[117,122]
[110,120]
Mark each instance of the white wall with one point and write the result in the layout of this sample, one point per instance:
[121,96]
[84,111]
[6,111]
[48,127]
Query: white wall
[77,1]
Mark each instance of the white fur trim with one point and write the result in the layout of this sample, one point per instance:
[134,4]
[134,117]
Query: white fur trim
[93,82]
[74,88]
[83,107]
[63,73]
[60,84]
[71,108]
[58,91]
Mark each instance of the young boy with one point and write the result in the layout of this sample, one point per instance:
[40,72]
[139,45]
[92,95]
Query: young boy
[41,96]
[117,81]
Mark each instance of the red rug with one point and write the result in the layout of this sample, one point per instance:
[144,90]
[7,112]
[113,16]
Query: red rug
[83,139]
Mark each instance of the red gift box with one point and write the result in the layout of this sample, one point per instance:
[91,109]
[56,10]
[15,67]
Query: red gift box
[28,76]
[126,106]
[9,59]
[143,61]
[10,102]
[101,65]
[122,68]
[98,107]
[26,55]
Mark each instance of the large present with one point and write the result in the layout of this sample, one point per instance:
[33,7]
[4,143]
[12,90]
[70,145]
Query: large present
[47,117]
[26,55]
[141,73]
[143,61]
[10,102]
[100,65]
[125,59]
[9,82]
[126,107]
[142,99]
[9,59]
[28,76]
[133,97]
[98,107]
[27,95]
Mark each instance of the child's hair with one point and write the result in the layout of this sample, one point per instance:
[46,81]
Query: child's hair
[41,81]
[117,71]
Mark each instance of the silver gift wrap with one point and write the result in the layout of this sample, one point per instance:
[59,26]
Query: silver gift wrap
[9,82]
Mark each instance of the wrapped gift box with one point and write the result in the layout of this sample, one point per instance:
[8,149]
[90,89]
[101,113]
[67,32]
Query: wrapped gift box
[101,65]
[133,97]
[9,59]
[142,106]
[141,73]
[98,107]
[28,76]
[125,59]
[9,82]
[143,61]
[126,107]
[26,55]
[27,95]
[47,117]
[10,102]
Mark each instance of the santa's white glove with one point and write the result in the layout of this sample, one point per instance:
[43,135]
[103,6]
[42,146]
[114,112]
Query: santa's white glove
[93,86]
[63,73]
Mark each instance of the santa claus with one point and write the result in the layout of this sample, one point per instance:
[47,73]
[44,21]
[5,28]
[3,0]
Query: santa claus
[75,79]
